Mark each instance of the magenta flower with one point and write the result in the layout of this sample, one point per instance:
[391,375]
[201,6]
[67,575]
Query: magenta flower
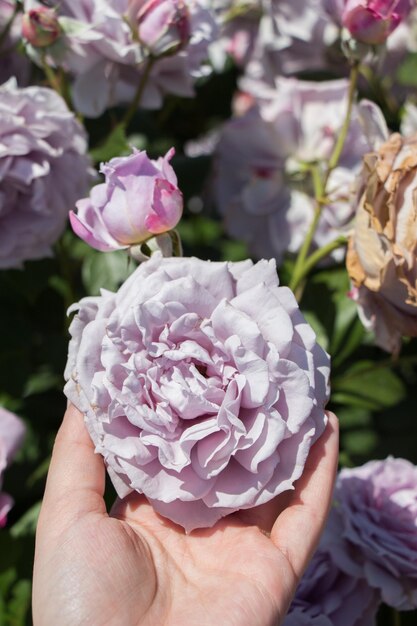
[201,383]
[372,21]
[138,199]
[12,432]
[163,26]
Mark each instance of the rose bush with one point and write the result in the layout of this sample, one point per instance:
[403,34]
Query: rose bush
[139,198]
[372,528]
[12,432]
[382,256]
[201,384]
[43,169]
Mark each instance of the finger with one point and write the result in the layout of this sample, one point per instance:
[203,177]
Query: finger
[297,530]
[76,478]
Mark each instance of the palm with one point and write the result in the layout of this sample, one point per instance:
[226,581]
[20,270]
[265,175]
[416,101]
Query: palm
[137,568]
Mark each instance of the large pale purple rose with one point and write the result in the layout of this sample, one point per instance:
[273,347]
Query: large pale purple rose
[12,432]
[201,384]
[43,171]
[329,597]
[372,529]
[138,199]
[262,182]
[101,52]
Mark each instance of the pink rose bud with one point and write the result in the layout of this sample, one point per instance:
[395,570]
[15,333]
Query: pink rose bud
[163,26]
[40,27]
[372,21]
[138,199]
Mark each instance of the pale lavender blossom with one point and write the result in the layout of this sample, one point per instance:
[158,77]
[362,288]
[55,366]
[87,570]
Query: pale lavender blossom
[262,183]
[329,597]
[12,432]
[43,171]
[13,64]
[201,384]
[372,529]
[138,199]
[238,25]
[100,50]
[294,36]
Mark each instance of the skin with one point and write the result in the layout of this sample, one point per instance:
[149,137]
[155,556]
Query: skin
[134,567]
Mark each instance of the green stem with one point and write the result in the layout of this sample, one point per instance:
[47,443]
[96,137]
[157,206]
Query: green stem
[9,24]
[320,187]
[320,254]
[302,255]
[176,243]
[139,93]
[338,148]
[51,77]
[396,618]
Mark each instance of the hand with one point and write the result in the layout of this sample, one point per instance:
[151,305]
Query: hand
[134,567]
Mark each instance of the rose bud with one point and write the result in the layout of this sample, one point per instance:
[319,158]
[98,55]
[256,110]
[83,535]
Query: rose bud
[163,26]
[382,258]
[138,199]
[372,21]
[40,27]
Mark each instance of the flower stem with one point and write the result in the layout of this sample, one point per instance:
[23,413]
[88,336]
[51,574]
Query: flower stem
[139,93]
[320,254]
[396,618]
[320,186]
[51,77]
[176,243]
[338,148]
[302,255]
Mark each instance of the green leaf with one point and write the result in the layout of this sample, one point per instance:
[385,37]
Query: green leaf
[367,385]
[114,145]
[348,331]
[407,72]
[318,328]
[360,443]
[27,523]
[19,603]
[106,270]
[42,381]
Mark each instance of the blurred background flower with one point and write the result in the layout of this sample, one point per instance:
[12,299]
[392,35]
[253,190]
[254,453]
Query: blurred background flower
[43,169]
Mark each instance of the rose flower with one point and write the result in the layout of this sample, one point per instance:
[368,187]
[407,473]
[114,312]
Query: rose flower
[139,198]
[201,384]
[371,531]
[382,258]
